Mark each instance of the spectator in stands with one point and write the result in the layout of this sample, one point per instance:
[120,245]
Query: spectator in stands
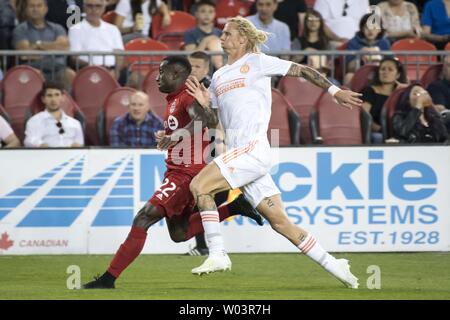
[7,137]
[342,16]
[200,61]
[279,36]
[38,34]
[205,37]
[401,19]
[440,89]
[369,38]
[20,7]
[134,17]
[137,127]
[63,12]
[416,120]
[389,76]
[7,23]
[52,128]
[436,22]
[103,36]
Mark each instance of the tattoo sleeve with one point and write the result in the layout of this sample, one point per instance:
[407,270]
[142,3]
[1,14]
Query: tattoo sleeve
[310,74]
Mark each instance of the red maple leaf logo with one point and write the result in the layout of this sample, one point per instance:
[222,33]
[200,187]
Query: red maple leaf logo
[5,243]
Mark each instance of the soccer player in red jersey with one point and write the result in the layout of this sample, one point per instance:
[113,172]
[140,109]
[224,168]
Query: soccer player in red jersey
[173,200]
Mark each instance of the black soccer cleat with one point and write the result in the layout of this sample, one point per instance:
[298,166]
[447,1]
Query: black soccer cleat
[106,281]
[241,206]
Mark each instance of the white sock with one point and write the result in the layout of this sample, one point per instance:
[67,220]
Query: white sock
[312,249]
[211,225]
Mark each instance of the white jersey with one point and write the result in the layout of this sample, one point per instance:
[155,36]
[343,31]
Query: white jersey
[242,92]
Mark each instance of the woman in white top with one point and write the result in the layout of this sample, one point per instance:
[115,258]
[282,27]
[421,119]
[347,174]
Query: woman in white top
[400,18]
[134,17]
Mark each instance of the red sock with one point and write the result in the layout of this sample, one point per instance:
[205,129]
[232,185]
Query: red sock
[128,251]
[195,221]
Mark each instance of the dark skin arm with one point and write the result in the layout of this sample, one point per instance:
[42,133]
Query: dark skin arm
[201,95]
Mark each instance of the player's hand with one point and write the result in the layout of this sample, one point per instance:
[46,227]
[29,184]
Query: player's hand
[348,98]
[198,91]
[165,142]
[159,135]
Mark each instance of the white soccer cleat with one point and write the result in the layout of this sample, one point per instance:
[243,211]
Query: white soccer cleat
[345,275]
[213,264]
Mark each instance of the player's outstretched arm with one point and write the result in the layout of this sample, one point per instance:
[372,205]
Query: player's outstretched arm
[346,98]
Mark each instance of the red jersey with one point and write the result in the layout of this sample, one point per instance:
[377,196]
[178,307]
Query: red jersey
[183,155]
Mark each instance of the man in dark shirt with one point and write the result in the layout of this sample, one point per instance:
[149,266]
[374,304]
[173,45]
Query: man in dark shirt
[137,127]
[440,89]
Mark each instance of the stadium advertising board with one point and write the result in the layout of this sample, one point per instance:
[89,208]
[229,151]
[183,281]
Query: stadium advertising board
[350,198]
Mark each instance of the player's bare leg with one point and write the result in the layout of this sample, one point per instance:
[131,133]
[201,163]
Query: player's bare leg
[273,210]
[130,249]
[203,187]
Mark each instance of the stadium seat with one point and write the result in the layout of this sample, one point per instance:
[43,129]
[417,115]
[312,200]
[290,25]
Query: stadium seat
[21,85]
[69,106]
[174,41]
[226,9]
[332,124]
[109,16]
[116,104]
[157,99]
[416,64]
[363,77]
[181,21]
[285,119]
[292,89]
[90,88]
[339,63]
[447,47]
[432,73]
[388,112]
[4,113]
[144,63]
[310,3]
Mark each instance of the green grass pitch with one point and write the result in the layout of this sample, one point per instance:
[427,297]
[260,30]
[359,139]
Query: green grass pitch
[254,276]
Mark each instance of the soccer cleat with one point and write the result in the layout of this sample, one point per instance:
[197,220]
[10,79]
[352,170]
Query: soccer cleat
[103,282]
[213,264]
[241,206]
[345,275]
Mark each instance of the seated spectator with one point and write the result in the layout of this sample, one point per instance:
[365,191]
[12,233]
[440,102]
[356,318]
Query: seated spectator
[205,37]
[7,23]
[292,13]
[36,33]
[134,17]
[389,76]
[52,128]
[436,22]
[416,120]
[138,126]
[342,16]
[440,89]
[62,12]
[199,61]
[279,36]
[103,36]
[401,19]
[369,38]
[7,137]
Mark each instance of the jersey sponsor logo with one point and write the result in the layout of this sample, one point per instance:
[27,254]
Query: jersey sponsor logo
[245,68]
[230,85]
[172,122]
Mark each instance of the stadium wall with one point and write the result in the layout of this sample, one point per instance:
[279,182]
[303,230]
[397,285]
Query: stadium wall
[352,198]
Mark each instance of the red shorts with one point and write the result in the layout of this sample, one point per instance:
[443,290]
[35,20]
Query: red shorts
[173,197]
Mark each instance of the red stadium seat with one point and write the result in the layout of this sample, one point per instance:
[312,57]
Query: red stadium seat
[339,63]
[332,124]
[415,65]
[292,89]
[174,41]
[388,112]
[21,85]
[116,104]
[363,77]
[447,47]
[4,113]
[147,62]
[226,9]
[431,74]
[109,16]
[310,3]
[157,99]
[181,21]
[285,120]
[90,88]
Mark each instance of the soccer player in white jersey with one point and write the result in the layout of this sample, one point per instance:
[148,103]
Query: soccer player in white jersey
[240,96]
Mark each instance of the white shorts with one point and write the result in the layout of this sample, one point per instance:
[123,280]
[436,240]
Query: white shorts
[248,168]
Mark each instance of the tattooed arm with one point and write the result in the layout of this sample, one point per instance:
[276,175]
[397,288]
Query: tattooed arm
[345,98]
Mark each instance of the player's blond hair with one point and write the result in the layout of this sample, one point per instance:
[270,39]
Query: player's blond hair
[247,29]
